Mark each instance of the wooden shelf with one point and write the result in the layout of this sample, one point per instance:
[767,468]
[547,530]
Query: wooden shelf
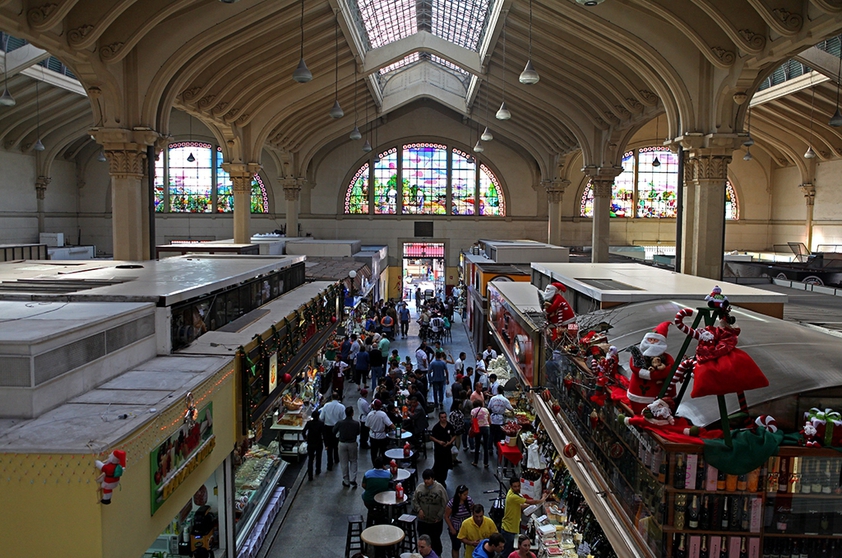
[714,493]
[800,536]
[687,531]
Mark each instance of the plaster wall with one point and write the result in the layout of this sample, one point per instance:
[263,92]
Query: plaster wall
[18,218]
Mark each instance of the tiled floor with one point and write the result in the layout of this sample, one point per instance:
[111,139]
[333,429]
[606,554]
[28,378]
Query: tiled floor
[317,520]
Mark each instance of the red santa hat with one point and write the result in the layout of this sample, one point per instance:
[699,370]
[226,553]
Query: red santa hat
[659,333]
[120,455]
[553,289]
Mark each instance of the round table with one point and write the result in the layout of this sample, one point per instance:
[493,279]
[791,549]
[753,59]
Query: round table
[405,435]
[397,454]
[402,475]
[389,498]
[381,537]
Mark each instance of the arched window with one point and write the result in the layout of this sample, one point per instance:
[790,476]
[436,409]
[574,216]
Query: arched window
[651,188]
[200,185]
[424,178]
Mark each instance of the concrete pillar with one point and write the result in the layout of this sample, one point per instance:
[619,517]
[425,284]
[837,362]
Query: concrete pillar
[555,193]
[709,172]
[688,215]
[601,218]
[41,184]
[292,193]
[809,192]
[242,175]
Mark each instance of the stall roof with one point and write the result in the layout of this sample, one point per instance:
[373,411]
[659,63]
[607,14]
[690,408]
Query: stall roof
[166,281]
[633,282]
[101,418]
[795,359]
[322,268]
[225,342]
[491,267]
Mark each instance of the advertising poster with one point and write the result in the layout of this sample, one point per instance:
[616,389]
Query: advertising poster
[273,372]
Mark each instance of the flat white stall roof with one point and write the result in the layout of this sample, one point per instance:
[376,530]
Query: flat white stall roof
[168,281]
[631,282]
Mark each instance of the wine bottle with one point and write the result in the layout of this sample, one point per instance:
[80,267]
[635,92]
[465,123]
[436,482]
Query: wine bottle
[816,485]
[782,520]
[808,548]
[679,471]
[827,478]
[767,548]
[693,513]
[776,548]
[704,514]
[723,549]
[720,480]
[772,472]
[783,475]
[742,482]
[703,549]
[680,551]
[724,514]
[743,549]
[730,483]
[795,549]
[701,474]
[744,515]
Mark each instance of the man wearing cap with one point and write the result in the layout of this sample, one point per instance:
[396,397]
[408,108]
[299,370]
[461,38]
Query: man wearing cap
[363,409]
[379,424]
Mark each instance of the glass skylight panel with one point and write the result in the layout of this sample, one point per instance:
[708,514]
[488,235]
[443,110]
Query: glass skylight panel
[447,64]
[406,61]
[387,21]
[461,22]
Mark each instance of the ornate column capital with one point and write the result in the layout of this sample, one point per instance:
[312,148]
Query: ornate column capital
[292,188]
[242,175]
[602,179]
[710,165]
[41,184]
[128,162]
[125,149]
[809,192]
[555,189]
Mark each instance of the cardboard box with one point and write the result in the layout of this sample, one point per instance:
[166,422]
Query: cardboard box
[695,546]
[710,480]
[692,463]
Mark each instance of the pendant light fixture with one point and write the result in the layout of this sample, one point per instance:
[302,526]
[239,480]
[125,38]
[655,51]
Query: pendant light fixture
[190,157]
[302,73]
[101,157]
[810,154]
[529,76]
[355,133]
[503,113]
[486,134]
[655,162]
[6,100]
[836,119]
[748,142]
[470,158]
[38,145]
[367,144]
[336,112]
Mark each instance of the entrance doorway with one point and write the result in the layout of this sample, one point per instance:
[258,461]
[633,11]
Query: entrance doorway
[423,268]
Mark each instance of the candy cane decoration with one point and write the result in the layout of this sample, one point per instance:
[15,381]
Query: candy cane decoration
[698,334]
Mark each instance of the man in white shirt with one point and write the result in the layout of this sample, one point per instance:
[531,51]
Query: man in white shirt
[363,409]
[379,424]
[493,384]
[332,412]
[497,406]
[489,352]
[422,362]
[460,363]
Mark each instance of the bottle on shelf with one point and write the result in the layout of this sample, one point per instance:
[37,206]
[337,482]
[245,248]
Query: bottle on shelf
[704,514]
[720,480]
[724,514]
[815,474]
[701,474]
[679,551]
[742,482]
[730,483]
[743,549]
[744,515]
[808,548]
[693,511]
[723,548]
[782,519]
[828,483]
[795,548]
[772,472]
[783,475]
[679,471]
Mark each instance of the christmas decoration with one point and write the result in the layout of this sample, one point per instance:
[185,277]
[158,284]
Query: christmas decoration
[766,421]
[719,302]
[650,365]
[556,308]
[809,432]
[828,425]
[570,451]
[111,471]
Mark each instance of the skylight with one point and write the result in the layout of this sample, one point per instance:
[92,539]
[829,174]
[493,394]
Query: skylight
[406,61]
[462,22]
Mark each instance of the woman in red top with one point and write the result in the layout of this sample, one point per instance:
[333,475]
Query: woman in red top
[523,544]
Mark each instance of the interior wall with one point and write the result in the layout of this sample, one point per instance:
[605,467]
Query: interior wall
[18,217]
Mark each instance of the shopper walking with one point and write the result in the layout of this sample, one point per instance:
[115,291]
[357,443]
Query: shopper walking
[376,360]
[346,431]
[515,504]
[313,432]
[457,511]
[476,529]
[403,314]
[497,406]
[438,378]
[361,367]
[379,424]
[332,413]
[429,502]
[363,409]
[481,440]
[443,436]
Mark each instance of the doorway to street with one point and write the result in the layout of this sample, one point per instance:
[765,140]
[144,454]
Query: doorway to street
[423,268]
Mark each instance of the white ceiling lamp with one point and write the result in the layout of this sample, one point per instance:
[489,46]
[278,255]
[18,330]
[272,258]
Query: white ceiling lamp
[190,157]
[367,144]
[749,140]
[529,76]
[6,100]
[101,157]
[810,154]
[38,145]
[836,119]
[589,3]
[503,112]
[655,162]
[486,134]
[336,112]
[302,73]
[355,133]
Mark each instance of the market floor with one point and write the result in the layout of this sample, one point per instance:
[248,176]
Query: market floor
[316,522]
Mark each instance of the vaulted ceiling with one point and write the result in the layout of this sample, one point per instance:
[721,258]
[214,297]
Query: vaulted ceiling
[604,70]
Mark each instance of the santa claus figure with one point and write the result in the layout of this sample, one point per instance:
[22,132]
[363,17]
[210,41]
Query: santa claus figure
[556,307]
[112,469]
[650,365]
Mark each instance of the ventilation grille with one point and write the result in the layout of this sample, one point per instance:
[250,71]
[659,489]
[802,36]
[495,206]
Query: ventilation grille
[14,372]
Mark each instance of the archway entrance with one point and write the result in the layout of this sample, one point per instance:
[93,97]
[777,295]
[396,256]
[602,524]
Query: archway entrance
[423,268]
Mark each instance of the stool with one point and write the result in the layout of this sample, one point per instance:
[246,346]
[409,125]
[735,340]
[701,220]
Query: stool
[410,541]
[377,515]
[353,542]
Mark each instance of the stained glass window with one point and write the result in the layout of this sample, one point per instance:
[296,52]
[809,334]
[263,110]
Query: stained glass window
[160,179]
[418,175]
[424,174]
[386,182]
[356,197]
[656,184]
[656,187]
[463,183]
[259,197]
[190,182]
[225,190]
[490,200]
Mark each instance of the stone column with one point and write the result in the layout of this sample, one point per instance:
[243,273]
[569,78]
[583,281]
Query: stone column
[555,192]
[292,193]
[242,175]
[602,181]
[809,192]
[709,173]
[41,184]
[126,153]
[688,215]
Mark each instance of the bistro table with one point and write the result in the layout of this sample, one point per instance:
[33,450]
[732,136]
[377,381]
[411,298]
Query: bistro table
[397,454]
[383,538]
[389,500]
[402,475]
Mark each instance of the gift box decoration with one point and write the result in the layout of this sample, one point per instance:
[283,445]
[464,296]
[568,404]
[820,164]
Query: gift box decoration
[828,425]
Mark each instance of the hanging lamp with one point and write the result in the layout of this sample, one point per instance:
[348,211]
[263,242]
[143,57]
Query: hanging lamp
[6,100]
[749,140]
[367,144]
[101,157]
[190,157]
[355,133]
[655,162]
[302,73]
[38,145]
[836,119]
[486,134]
[336,112]
[810,154]
[503,112]
[529,76]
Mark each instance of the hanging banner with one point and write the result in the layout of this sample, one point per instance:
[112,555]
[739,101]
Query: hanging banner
[176,457]
[273,372]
